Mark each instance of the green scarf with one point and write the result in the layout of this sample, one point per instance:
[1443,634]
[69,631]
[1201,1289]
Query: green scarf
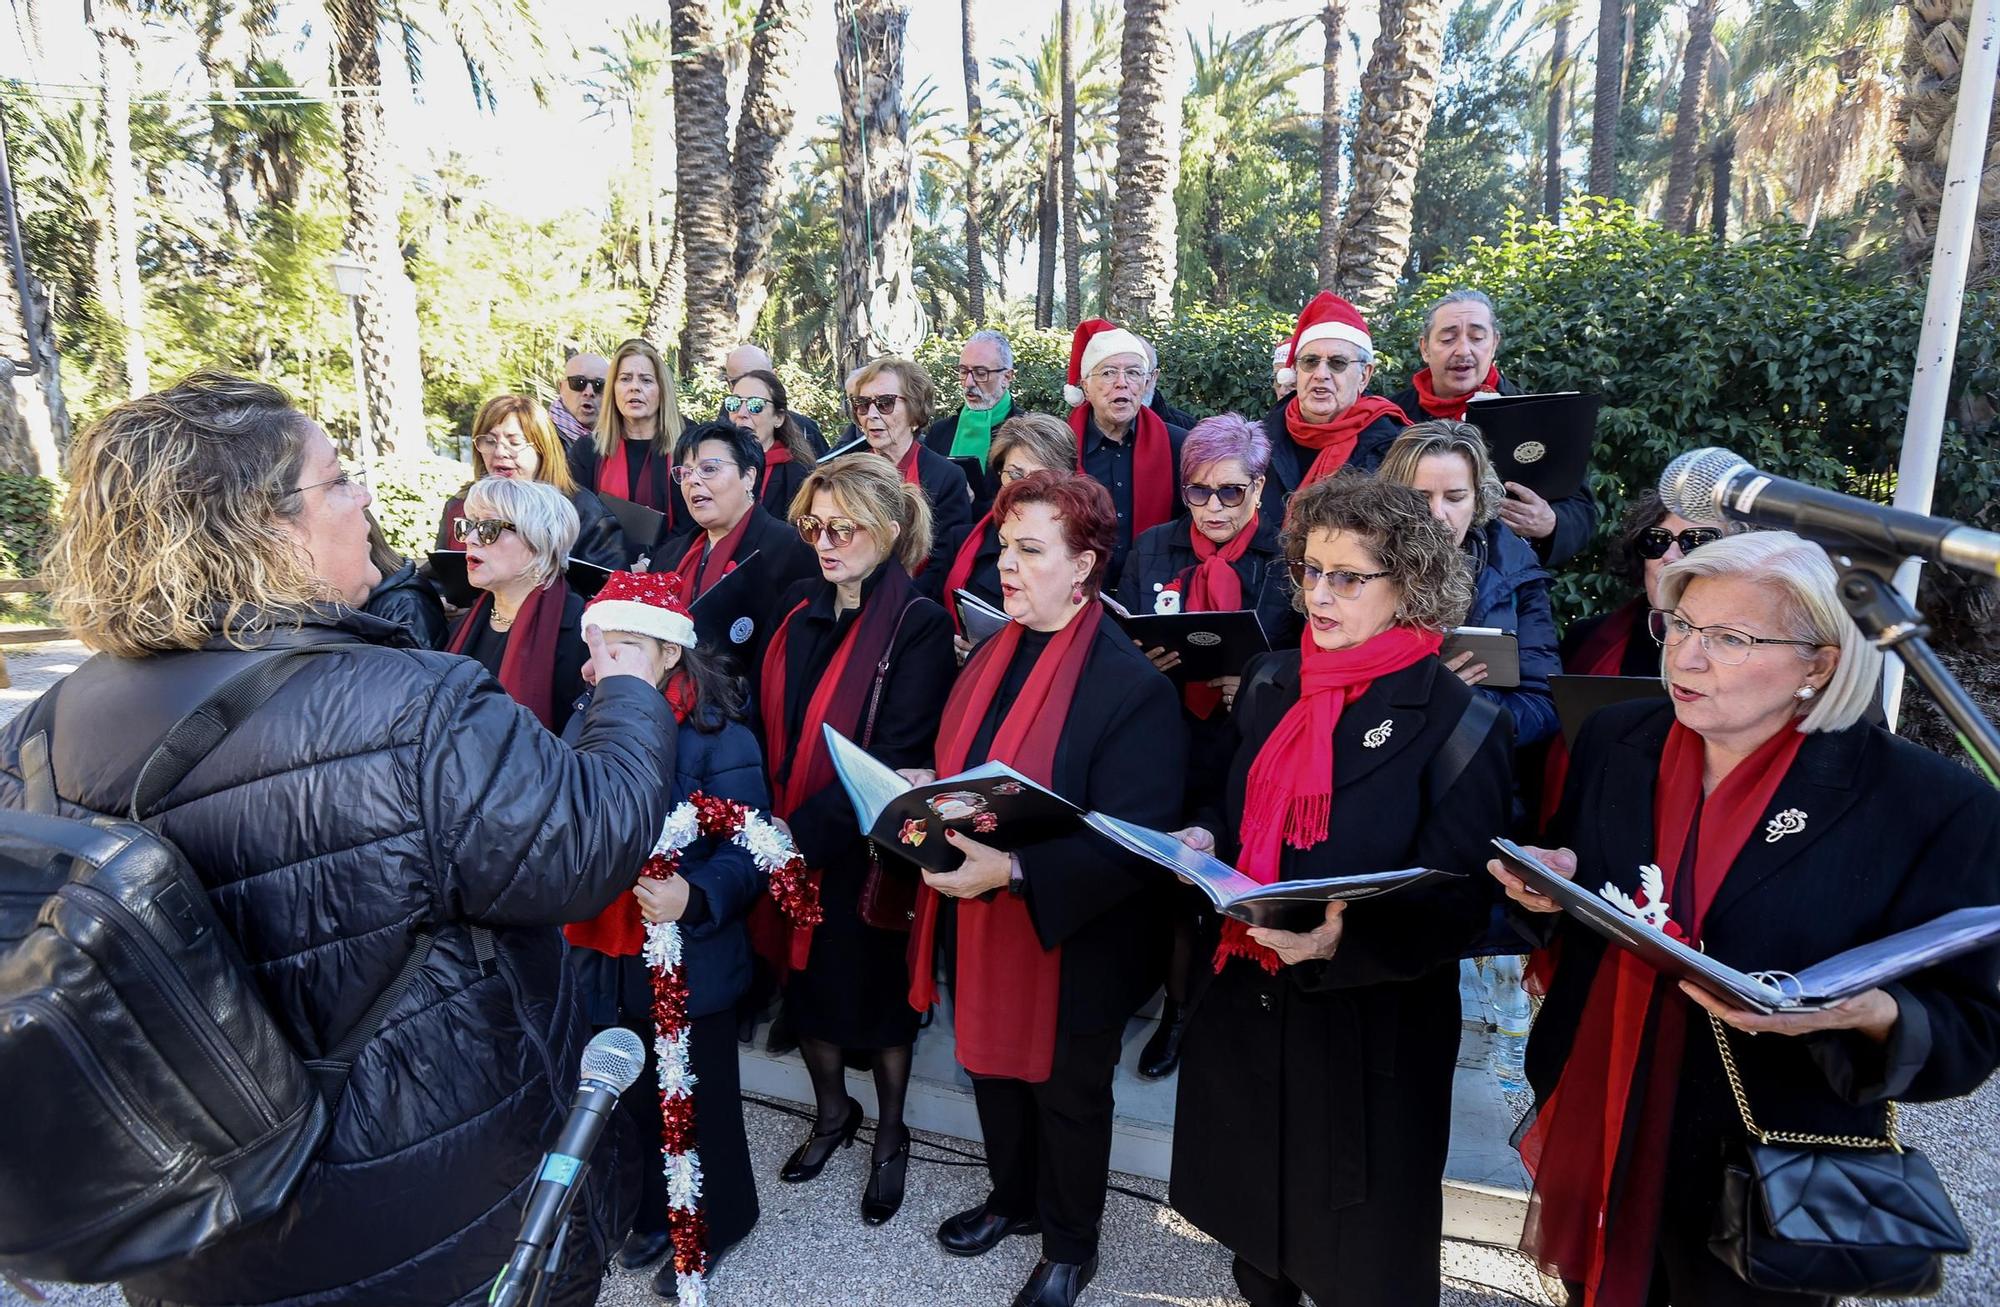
[975,428]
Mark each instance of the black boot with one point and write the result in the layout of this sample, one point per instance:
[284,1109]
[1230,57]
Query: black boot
[1162,1052]
[642,1248]
[1056,1284]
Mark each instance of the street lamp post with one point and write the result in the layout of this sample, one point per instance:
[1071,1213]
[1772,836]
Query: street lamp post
[350,278]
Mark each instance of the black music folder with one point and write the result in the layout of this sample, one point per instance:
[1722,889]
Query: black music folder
[1210,644]
[1539,441]
[640,525]
[1577,697]
[977,618]
[1500,652]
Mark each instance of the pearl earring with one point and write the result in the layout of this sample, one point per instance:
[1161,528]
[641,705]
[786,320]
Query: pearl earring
[1805,692]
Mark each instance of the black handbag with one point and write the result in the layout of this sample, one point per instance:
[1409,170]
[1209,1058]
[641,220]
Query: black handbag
[1845,1215]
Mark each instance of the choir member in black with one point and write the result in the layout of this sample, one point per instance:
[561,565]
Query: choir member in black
[631,455]
[524,627]
[747,358]
[1328,421]
[1126,446]
[1050,950]
[857,649]
[717,468]
[1224,559]
[512,436]
[1460,337]
[404,595]
[1315,1081]
[1025,443]
[986,378]
[1783,829]
[892,400]
[757,402]
[710,894]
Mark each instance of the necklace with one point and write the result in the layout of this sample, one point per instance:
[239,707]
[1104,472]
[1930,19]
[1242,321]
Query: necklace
[499,623]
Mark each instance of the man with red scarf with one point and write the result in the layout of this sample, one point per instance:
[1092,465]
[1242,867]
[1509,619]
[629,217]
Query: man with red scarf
[1327,422]
[1461,335]
[1122,444]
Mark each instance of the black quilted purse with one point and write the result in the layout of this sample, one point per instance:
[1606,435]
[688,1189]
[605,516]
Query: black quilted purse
[1831,1214]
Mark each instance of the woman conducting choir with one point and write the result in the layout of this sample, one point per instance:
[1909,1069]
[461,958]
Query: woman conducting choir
[524,626]
[1050,950]
[1315,1081]
[758,403]
[893,400]
[631,455]
[512,437]
[1024,443]
[1782,830]
[857,649]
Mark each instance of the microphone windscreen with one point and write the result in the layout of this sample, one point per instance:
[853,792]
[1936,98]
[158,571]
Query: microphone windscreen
[614,1057]
[1688,487]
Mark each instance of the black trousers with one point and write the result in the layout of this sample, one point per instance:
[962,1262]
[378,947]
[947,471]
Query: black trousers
[1048,1145]
[728,1186]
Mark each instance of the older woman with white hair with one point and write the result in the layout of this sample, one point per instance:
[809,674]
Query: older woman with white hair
[1777,829]
[524,629]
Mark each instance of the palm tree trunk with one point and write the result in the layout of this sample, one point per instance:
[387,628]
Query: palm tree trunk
[878,301]
[1211,233]
[1606,99]
[1332,104]
[1721,158]
[117,48]
[392,382]
[761,127]
[1072,236]
[644,188]
[975,145]
[1677,211]
[1048,216]
[666,313]
[1397,92]
[1937,31]
[701,203]
[1552,145]
[33,426]
[1149,162]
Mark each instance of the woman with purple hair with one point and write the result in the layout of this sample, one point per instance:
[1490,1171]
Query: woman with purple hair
[1223,557]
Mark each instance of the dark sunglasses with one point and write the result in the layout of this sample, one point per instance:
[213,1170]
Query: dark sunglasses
[1655,541]
[1227,496]
[880,403]
[478,530]
[754,404]
[595,385]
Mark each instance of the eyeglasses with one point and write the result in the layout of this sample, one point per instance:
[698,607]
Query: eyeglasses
[980,375]
[880,403]
[842,530]
[1111,376]
[1015,472]
[1725,644]
[492,444]
[1336,363]
[1228,496]
[345,479]
[478,530]
[706,470]
[1344,584]
[753,404]
[1655,541]
[595,385]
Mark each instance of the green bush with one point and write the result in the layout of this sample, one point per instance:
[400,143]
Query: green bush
[28,508]
[409,494]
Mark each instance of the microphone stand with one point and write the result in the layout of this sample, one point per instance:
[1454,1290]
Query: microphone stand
[1885,616]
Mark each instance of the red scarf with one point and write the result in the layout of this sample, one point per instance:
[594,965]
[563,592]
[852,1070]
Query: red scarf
[1214,587]
[907,464]
[1153,480]
[961,567]
[620,929]
[527,668]
[698,577]
[1290,787]
[1007,983]
[614,478]
[778,453]
[800,765]
[1596,1205]
[1335,440]
[1453,407]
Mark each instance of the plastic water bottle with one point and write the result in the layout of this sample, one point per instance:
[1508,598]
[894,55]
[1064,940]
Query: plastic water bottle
[1513,1014]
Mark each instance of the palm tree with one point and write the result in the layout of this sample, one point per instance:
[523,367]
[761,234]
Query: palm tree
[112,22]
[1930,73]
[634,78]
[1397,92]
[1149,129]
[1607,98]
[878,301]
[762,124]
[702,221]
[1332,102]
[1552,138]
[1677,210]
[975,270]
[1072,239]
[1239,95]
[33,425]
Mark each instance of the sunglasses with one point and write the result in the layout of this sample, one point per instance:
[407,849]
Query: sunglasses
[1337,363]
[842,530]
[1345,584]
[880,403]
[1655,541]
[752,405]
[1228,496]
[595,385]
[478,530]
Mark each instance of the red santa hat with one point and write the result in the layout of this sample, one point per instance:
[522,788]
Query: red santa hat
[643,603]
[1096,340]
[1328,317]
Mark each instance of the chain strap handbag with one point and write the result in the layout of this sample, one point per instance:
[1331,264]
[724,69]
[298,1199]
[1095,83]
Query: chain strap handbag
[1846,1215]
[888,900]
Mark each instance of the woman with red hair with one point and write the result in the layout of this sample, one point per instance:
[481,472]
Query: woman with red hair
[1052,948]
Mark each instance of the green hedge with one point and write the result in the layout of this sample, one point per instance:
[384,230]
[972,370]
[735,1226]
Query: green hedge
[409,495]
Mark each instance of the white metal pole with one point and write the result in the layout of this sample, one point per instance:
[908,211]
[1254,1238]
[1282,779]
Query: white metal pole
[1937,347]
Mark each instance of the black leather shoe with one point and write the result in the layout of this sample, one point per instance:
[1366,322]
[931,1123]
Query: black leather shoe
[1056,1284]
[977,1231]
[809,1158]
[1162,1052]
[883,1196]
[781,1039]
[667,1284]
[642,1249]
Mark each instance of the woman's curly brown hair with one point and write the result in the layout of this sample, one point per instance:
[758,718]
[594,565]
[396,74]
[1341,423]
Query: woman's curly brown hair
[1431,573]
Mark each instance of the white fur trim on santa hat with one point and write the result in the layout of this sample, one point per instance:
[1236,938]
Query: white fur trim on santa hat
[641,619]
[1072,395]
[1104,345]
[1346,331]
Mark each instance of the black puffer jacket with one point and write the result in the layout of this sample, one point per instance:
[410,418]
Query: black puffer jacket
[377,792]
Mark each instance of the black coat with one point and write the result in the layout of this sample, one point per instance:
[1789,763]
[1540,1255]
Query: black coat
[1893,836]
[1099,460]
[565,673]
[950,499]
[1576,516]
[1290,461]
[779,485]
[783,560]
[938,437]
[1315,1105]
[376,793]
[407,598]
[598,539]
[985,578]
[1173,417]
[656,491]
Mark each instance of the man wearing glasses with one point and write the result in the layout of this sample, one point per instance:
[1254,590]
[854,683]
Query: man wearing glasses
[754,358]
[579,395]
[1327,422]
[986,375]
[1120,442]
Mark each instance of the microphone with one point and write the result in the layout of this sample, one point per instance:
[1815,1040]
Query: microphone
[611,1062]
[1710,486]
